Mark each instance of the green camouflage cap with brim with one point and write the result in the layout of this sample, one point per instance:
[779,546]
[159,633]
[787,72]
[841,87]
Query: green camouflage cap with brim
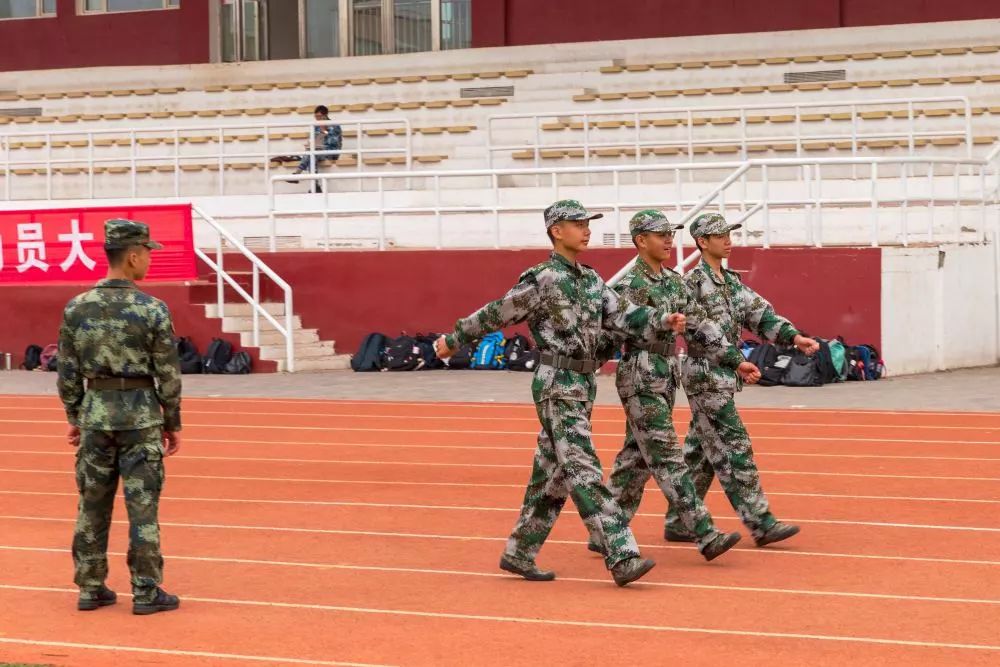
[120,233]
[710,224]
[653,221]
[568,209]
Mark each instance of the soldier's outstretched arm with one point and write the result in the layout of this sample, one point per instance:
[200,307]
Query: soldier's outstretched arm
[70,377]
[167,369]
[640,323]
[512,308]
[704,332]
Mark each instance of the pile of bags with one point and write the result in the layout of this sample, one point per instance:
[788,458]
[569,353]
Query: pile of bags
[835,362]
[495,351]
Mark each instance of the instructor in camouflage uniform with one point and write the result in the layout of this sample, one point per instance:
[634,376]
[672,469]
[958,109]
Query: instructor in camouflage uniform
[119,342]
[717,441]
[647,383]
[567,306]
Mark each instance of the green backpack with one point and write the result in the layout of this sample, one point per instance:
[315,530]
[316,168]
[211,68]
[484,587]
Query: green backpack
[838,354]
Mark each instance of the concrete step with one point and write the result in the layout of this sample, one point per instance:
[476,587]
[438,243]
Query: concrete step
[241,324]
[242,309]
[300,336]
[335,363]
[317,350]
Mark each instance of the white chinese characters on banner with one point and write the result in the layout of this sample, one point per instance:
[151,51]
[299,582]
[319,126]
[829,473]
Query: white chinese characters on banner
[76,252]
[30,247]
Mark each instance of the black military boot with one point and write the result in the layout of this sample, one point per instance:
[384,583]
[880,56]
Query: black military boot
[629,570]
[529,571]
[720,545]
[162,602]
[776,533]
[91,600]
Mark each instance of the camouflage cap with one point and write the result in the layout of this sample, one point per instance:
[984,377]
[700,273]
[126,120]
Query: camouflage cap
[651,220]
[709,224]
[120,233]
[568,209]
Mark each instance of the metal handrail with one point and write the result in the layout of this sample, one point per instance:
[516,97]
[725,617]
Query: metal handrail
[223,278]
[221,134]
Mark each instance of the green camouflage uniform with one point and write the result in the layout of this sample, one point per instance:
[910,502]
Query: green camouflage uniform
[717,441]
[647,383]
[117,331]
[567,306]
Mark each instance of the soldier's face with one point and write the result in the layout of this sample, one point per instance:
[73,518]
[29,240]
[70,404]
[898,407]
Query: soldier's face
[574,234]
[656,245]
[719,246]
[139,260]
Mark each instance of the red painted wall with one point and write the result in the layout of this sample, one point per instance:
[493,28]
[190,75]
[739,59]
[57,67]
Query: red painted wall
[521,22]
[160,37]
[32,316]
[825,291]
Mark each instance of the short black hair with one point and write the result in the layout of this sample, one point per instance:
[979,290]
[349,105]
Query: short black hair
[322,109]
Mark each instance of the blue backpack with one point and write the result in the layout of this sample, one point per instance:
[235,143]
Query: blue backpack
[490,353]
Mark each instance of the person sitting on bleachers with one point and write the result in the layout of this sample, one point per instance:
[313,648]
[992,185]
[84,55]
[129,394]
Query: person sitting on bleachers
[326,138]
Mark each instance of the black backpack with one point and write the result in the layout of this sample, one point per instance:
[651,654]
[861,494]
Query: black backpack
[763,356]
[518,353]
[403,354]
[369,355]
[240,364]
[774,374]
[803,371]
[219,354]
[427,352]
[187,353]
[32,357]
[824,361]
[462,359]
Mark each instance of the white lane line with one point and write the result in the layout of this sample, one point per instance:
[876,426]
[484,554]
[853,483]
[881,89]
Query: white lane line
[482,538]
[523,450]
[241,402]
[164,651]
[479,445]
[494,575]
[651,488]
[508,509]
[519,620]
[521,466]
[497,575]
[533,432]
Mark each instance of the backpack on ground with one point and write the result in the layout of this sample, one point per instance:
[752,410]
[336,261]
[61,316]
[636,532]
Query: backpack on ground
[32,357]
[187,353]
[838,355]
[824,362]
[804,371]
[50,357]
[516,352]
[876,369]
[490,353]
[403,354]
[763,355]
[219,354]
[368,358]
[526,361]
[428,352]
[864,363]
[462,359]
[774,374]
[748,347]
[240,364]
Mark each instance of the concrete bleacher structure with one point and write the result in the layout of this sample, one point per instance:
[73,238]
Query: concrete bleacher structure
[215,135]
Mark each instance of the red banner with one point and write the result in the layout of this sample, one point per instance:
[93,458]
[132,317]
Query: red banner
[67,245]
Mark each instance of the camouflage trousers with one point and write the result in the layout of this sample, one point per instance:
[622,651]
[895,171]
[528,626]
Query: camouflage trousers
[652,449]
[566,464]
[717,443]
[137,457]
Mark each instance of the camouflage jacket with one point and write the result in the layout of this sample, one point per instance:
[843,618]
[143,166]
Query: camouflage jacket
[732,307]
[567,307]
[115,330]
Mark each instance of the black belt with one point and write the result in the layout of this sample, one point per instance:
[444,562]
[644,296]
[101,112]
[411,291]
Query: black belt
[121,384]
[662,349]
[569,363]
